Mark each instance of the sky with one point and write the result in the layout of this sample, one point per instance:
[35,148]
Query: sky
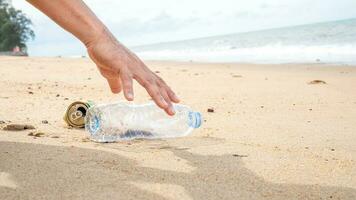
[138,22]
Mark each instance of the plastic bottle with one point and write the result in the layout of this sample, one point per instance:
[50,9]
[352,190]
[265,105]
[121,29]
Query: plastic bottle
[123,121]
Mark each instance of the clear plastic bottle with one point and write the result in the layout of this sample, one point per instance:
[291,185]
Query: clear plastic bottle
[123,121]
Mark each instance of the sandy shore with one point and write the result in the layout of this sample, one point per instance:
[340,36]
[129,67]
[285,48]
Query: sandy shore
[272,135]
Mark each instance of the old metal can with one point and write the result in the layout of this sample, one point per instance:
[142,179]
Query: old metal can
[76,112]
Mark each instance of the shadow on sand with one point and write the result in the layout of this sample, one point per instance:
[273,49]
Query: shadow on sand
[49,172]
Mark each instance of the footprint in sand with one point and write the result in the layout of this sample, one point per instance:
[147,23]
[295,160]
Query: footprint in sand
[6,181]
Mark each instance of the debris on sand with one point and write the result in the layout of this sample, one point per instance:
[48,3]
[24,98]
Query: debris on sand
[86,139]
[30,92]
[55,136]
[211,110]
[36,134]
[18,127]
[157,72]
[44,122]
[239,156]
[317,82]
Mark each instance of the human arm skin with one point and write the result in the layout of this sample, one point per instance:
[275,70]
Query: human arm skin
[114,61]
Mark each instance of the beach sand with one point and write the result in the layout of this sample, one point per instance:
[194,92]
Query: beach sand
[272,134]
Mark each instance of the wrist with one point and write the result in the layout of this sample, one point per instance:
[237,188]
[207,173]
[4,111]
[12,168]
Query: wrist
[97,34]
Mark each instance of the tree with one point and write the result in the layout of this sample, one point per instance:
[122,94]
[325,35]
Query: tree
[15,27]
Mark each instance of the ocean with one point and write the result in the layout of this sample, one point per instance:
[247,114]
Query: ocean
[328,42]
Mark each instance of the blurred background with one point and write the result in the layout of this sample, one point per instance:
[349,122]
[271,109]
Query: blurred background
[257,31]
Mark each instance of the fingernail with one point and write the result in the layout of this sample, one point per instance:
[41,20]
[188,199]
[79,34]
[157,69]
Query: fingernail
[171,109]
[130,95]
[176,97]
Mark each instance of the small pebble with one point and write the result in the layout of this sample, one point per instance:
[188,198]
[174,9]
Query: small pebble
[66,98]
[157,72]
[332,149]
[44,122]
[55,136]
[30,92]
[211,110]
[317,82]
[58,95]
[36,134]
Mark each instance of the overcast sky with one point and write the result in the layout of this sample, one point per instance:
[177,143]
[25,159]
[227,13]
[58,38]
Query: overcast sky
[137,22]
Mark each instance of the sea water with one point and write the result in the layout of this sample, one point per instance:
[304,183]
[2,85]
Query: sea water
[331,42]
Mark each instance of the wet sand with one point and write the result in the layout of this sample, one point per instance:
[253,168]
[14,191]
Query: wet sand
[276,132]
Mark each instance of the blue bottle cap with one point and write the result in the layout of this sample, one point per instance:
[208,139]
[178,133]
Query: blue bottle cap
[195,119]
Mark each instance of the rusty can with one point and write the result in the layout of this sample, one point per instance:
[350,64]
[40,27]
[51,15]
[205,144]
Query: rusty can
[76,112]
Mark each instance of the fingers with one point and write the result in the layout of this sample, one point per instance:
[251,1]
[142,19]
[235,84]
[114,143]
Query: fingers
[154,92]
[159,93]
[114,84]
[172,95]
[169,110]
[127,85]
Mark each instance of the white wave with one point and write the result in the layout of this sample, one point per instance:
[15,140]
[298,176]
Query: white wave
[345,54]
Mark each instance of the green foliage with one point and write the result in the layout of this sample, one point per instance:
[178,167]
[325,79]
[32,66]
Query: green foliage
[15,27]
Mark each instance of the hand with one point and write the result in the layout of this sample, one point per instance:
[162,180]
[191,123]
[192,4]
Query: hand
[120,66]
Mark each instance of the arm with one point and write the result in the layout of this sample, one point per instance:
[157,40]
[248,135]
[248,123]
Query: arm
[114,61]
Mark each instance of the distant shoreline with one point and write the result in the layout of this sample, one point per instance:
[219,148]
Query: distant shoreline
[199,62]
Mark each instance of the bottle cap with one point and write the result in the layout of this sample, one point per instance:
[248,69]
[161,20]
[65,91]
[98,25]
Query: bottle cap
[195,119]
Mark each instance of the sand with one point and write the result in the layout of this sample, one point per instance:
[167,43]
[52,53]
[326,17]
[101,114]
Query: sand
[277,132]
